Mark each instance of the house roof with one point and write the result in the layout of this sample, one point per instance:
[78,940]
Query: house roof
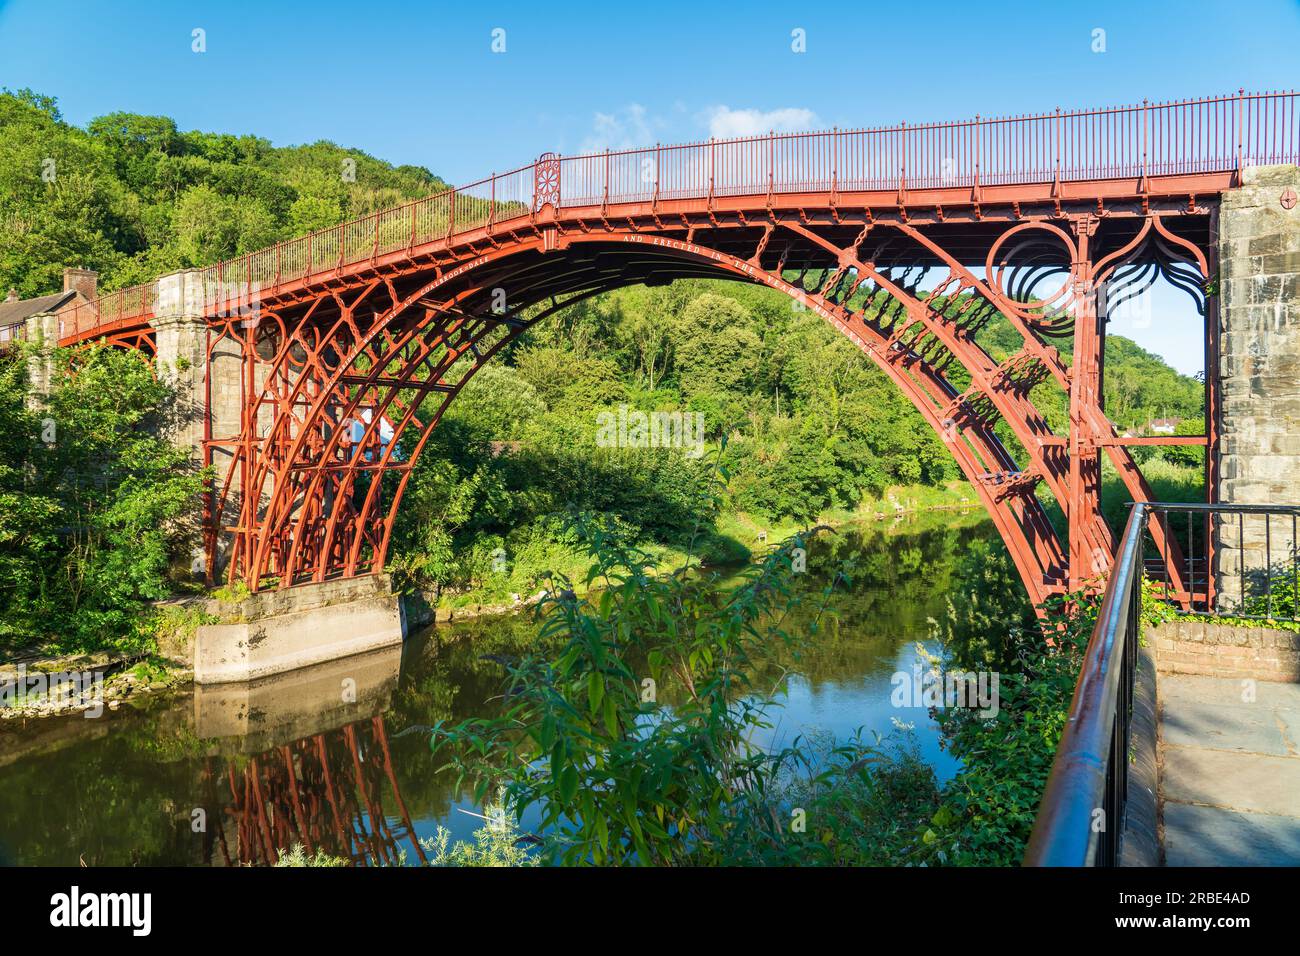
[12,313]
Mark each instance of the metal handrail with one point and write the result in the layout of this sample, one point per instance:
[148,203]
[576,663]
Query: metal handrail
[1224,508]
[1210,134]
[1209,585]
[1080,817]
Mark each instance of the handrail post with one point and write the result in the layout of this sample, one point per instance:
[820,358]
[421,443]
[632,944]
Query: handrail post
[1237,108]
[711,159]
[1056,146]
[835,158]
[771,163]
[654,203]
[1146,140]
[902,167]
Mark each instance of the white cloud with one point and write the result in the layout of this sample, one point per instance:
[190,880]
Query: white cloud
[633,126]
[724,122]
[625,128]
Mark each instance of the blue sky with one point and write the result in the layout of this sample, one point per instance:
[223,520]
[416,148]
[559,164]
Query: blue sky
[420,83]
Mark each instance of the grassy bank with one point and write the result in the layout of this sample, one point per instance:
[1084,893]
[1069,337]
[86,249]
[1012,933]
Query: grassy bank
[733,539]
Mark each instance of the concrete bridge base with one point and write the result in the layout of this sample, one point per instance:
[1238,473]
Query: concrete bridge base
[252,717]
[272,632]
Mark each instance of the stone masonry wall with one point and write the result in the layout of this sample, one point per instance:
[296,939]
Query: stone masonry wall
[181,336]
[1259,368]
[1225,650]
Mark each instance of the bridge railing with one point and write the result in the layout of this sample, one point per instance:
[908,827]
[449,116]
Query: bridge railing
[1090,773]
[1150,139]
[1081,817]
[1238,560]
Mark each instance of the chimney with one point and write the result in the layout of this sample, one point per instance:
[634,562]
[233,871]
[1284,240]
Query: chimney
[81,280]
[13,295]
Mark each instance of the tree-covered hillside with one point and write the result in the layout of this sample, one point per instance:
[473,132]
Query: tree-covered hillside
[132,197]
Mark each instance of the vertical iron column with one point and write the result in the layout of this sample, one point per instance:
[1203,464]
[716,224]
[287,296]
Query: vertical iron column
[1085,394]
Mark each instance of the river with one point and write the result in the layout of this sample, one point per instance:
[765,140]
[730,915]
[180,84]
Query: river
[235,773]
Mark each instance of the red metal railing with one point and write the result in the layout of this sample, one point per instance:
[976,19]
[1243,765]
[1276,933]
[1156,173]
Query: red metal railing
[1214,134]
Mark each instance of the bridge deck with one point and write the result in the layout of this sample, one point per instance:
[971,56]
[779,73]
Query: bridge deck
[1177,150]
[1230,775]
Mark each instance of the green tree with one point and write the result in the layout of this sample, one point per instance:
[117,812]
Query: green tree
[716,350]
[97,507]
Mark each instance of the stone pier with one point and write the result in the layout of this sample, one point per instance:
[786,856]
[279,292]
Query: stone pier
[181,341]
[1259,372]
[43,332]
[274,631]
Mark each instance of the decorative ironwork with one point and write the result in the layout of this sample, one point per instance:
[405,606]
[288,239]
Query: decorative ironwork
[546,179]
[1193,145]
[369,330]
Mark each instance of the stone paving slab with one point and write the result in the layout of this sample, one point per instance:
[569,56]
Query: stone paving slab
[1219,690]
[1239,781]
[1211,836]
[1230,776]
[1223,727]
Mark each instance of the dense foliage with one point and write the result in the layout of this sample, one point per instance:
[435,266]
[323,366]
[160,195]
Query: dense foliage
[633,727]
[619,775]
[95,506]
[133,198]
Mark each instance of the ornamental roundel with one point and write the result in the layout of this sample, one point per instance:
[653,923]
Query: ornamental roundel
[546,182]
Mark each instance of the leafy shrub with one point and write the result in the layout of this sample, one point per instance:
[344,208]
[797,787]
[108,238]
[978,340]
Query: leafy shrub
[619,776]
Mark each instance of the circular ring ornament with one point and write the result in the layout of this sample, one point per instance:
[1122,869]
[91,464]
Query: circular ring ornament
[1015,269]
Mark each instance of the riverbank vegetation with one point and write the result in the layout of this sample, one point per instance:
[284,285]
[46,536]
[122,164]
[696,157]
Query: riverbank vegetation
[640,731]
[96,509]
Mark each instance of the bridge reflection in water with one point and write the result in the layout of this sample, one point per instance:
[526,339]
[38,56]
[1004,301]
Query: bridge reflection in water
[310,757]
[324,789]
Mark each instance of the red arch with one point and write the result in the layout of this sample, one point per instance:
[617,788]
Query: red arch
[1019,517]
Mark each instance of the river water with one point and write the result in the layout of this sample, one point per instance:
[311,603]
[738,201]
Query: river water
[236,773]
